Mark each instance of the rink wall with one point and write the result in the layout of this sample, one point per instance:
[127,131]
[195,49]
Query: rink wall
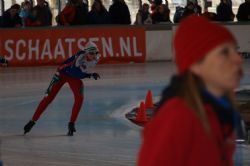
[159,40]
[117,44]
[51,46]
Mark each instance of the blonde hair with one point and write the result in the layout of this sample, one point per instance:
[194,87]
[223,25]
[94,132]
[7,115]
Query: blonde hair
[190,91]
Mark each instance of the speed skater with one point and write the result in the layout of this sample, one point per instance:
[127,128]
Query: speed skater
[70,71]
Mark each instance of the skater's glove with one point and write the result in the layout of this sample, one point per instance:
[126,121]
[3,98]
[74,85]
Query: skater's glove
[95,76]
[4,62]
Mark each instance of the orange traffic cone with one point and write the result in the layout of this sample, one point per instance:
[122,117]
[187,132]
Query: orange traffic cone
[149,100]
[141,113]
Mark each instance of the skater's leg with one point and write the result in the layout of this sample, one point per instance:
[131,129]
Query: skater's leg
[51,92]
[28,126]
[76,86]
[71,128]
[55,85]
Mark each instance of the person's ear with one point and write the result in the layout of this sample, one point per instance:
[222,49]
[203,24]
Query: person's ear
[196,68]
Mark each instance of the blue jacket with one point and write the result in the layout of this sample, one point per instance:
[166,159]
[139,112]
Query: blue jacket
[76,66]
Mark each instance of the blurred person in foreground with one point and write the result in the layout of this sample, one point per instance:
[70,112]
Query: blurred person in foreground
[196,120]
[70,71]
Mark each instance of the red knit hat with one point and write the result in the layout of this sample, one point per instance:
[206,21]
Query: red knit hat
[195,37]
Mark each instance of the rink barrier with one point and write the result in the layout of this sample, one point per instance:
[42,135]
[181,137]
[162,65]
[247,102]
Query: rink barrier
[159,42]
[51,46]
[118,44]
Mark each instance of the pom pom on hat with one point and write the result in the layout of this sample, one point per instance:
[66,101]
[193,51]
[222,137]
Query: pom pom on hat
[195,37]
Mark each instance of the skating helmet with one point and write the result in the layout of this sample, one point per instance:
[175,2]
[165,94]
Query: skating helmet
[91,48]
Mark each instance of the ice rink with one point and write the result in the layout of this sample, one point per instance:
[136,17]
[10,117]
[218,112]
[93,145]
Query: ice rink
[103,138]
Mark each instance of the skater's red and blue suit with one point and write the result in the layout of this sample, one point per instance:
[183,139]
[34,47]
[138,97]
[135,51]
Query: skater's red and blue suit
[70,71]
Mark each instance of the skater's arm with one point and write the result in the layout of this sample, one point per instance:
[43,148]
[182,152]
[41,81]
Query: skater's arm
[70,61]
[83,75]
[73,57]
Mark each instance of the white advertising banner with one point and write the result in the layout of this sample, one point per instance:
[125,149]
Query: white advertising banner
[158,45]
[159,42]
[242,34]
